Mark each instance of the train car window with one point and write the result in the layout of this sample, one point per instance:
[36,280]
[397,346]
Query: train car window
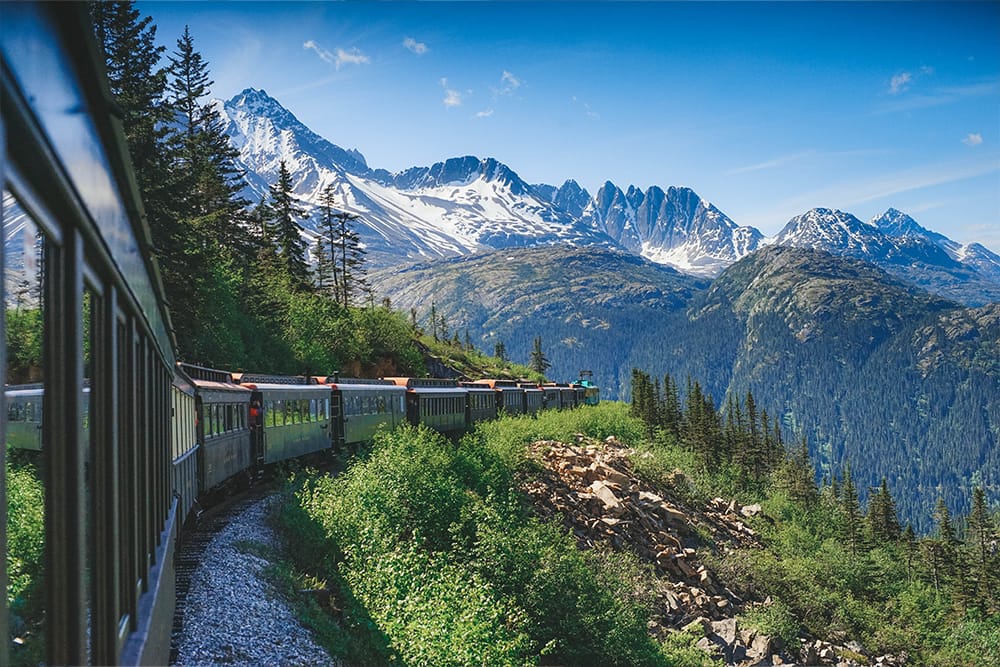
[230,417]
[326,408]
[304,410]
[312,410]
[279,413]
[25,480]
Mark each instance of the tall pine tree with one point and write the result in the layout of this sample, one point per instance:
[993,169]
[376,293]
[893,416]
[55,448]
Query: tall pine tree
[283,215]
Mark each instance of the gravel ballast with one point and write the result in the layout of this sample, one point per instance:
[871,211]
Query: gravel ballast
[232,615]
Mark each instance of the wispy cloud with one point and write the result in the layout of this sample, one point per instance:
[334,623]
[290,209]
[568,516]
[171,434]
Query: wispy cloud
[940,96]
[352,57]
[486,113]
[325,55]
[899,83]
[452,97]
[853,193]
[973,139]
[508,83]
[771,164]
[417,47]
[590,113]
[783,160]
[338,59]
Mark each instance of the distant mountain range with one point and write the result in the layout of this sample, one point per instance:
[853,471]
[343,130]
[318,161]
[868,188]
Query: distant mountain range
[467,204]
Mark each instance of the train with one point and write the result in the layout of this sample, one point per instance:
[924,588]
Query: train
[229,427]
[127,438]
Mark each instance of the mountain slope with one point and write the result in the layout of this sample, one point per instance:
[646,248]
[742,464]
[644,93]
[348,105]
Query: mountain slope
[897,382]
[673,226]
[585,303]
[901,383]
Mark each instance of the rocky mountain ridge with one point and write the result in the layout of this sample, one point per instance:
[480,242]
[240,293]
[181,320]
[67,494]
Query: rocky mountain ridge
[470,204]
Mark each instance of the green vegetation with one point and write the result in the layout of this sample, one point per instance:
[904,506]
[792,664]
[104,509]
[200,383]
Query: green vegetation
[224,262]
[833,570]
[433,557]
[25,558]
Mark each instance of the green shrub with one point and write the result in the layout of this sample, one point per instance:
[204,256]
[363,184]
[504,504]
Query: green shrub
[435,559]
[775,619]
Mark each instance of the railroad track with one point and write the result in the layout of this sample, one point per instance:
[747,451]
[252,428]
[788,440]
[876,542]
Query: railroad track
[196,539]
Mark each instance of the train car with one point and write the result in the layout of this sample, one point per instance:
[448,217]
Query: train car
[434,402]
[510,397]
[481,403]
[223,426]
[291,416]
[110,519]
[591,392]
[534,397]
[359,407]
[550,397]
[567,396]
[24,416]
[184,445]
[579,394]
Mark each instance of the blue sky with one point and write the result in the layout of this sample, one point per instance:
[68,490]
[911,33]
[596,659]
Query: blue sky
[764,109]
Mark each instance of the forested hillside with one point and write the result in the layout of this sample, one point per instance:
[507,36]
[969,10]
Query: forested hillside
[899,383]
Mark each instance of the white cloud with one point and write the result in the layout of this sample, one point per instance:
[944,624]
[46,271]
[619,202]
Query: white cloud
[508,83]
[452,98]
[320,51]
[900,82]
[484,114]
[342,57]
[352,57]
[973,139]
[417,47]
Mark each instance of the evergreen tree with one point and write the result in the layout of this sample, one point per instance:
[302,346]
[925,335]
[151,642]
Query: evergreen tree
[285,230]
[500,351]
[538,363]
[324,267]
[850,509]
[672,413]
[349,256]
[981,552]
[797,477]
[434,321]
[131,56]
[883,523]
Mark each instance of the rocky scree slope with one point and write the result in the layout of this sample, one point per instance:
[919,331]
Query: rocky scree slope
[590,486]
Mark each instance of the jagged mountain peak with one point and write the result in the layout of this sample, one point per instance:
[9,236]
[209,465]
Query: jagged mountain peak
[460,171]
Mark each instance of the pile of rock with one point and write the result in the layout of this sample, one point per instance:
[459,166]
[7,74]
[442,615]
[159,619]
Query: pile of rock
[590,485]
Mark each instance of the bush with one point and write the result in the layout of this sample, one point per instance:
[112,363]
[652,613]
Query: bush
[436,561]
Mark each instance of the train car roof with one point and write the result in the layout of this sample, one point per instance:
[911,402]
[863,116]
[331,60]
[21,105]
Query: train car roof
[336,379]
[287,388]
[204,385]
[342,386]
[500,385]
[412,383]
[264,379]
[472,386]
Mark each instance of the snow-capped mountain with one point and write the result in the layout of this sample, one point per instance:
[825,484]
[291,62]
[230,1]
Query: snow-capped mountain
[457,206]
[466,204]
[899,225]
[895,242]
[673,226]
